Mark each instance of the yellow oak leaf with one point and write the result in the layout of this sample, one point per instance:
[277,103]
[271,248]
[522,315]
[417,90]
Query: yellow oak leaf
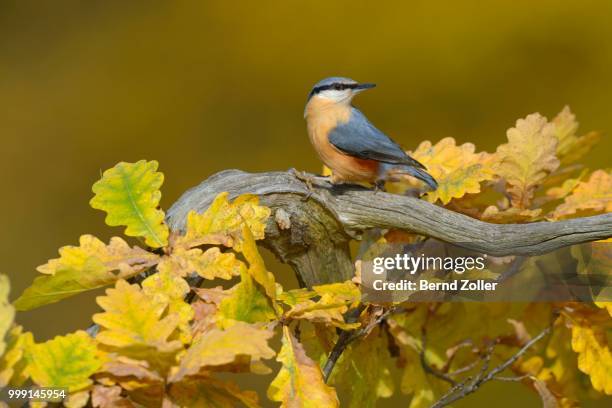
[109,397]
[116,256]
[254,298]
[141,380]
[77,399]
[561,372]
[364,371]
[122,367]
[7,311]
[13,362]
[326,310]
[334,300]
[607,304]
[132,318]
[568,186]
[424,388]
[64,362]
[294,296]
[209,264]
[594,261]
[457,169]
[129,194]
[527,158]
[594,357]
[211,295]
[346,291]
[571,147]
[588,197]
[88,266]
[257,268]
[299,382]
[167,287]
[246,302]
[224,347]
[221,223]
[210,392]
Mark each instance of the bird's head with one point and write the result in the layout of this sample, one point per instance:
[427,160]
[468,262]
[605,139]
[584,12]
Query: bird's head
[338,89]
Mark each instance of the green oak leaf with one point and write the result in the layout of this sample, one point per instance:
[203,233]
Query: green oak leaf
[129,194]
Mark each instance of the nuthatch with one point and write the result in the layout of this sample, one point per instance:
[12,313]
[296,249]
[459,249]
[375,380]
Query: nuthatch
[348,143]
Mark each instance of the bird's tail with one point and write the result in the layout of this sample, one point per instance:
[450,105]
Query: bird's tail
[420,174]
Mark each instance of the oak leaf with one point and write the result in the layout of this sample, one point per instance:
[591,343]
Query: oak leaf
[299,382]
[527,158]
[365,371]
[88,266]
[294,296]
[588,197]
[594,357]
[254,298]
[209,264]
[122,368]
[224,347]
[415,381]
[208,391]
[561,370]
[109,397]
[346,291]
[13,362]
[129,194]
[568,186]
[571,147]
[457,169]
[222,222]
[246,302]
[131,318]
[167,287]
[334,300]
[257,268]
[64,362]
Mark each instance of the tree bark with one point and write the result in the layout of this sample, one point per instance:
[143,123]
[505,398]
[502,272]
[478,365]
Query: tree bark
[310,229]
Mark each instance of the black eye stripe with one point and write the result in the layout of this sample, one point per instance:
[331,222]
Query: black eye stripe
[335,86]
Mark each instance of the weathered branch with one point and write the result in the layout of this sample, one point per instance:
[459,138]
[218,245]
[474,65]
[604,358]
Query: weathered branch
[315,243]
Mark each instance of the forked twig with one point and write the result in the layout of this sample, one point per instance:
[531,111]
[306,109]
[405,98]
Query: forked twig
[469,385]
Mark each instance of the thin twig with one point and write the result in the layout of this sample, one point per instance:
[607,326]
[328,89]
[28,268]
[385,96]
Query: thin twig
[468,386]
[463,369]
[517,379]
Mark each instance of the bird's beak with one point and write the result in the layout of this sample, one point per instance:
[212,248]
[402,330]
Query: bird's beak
[363,87]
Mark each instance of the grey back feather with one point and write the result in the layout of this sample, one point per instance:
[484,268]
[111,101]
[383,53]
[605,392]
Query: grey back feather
[359,138]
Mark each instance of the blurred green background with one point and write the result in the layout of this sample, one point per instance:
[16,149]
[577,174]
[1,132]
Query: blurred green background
[203,86]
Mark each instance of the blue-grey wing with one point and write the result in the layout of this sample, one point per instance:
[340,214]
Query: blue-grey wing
[359,138]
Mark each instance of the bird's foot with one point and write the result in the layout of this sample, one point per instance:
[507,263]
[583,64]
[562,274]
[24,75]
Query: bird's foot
[309,180]
[379,185]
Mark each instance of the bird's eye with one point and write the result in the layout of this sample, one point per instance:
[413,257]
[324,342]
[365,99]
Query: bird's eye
[337,87]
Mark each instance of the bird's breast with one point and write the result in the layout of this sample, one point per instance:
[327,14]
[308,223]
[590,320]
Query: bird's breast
[321,120]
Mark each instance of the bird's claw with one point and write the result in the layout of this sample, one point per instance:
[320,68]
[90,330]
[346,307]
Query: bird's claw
[379,186]
[307,179]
